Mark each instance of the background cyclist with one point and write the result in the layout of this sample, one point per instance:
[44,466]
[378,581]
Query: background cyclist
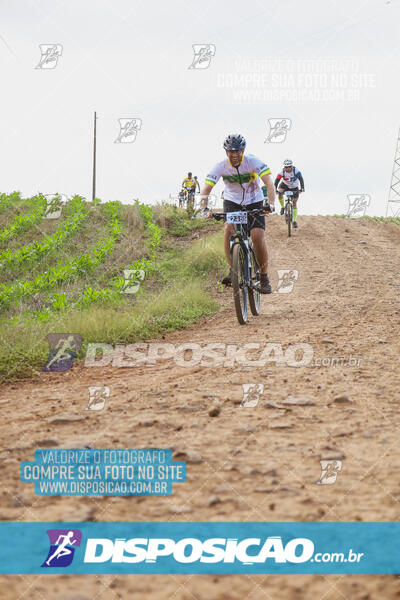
[182,197]
[189,184]
[241,174]
[289,179]
[265,192]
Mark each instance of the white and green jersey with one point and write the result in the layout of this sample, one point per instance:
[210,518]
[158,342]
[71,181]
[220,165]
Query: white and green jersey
[241,183]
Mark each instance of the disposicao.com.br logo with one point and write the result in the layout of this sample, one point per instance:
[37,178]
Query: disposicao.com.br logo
[188,550]
[199,548]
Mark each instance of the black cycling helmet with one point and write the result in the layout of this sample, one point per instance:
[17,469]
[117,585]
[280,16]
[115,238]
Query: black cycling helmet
[189,174]
[234,141]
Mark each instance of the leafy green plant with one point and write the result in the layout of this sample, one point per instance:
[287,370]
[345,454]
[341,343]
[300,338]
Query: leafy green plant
[24,221]
[9,200]
[35,250]
[74,269]
[112,292]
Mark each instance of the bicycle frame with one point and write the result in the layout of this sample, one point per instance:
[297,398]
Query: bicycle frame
[288,199]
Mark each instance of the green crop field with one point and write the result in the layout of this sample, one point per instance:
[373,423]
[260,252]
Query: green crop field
[67,274]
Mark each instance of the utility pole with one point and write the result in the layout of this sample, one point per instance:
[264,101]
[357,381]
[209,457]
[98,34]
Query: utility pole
[394,192]
[94,159]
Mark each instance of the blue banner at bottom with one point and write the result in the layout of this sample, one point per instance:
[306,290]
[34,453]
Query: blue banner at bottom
[199,548]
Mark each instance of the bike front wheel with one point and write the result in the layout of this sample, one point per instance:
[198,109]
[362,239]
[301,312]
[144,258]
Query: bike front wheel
[289,219]
[254,294]
[239,283]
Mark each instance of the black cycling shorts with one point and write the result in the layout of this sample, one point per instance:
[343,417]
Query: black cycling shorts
[284,188]
[254,221]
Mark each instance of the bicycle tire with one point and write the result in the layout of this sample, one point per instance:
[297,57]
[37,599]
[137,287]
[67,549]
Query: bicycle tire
[240,290]
[289,220]
[254,295]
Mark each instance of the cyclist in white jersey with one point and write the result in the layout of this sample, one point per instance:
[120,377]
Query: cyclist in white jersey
[241,174]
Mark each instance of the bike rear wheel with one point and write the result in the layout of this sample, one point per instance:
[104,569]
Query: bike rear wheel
[254,294]
[240,289]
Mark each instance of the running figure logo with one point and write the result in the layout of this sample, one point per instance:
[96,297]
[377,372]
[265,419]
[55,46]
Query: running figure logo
[358,204]
[132,280]
[97,397]
[54,206]
[212,200]
[278,129]
[63,350]
[203,54]
[329,471]
[128,129]
[62,547]
[251,394]
[286,280]
[50,54]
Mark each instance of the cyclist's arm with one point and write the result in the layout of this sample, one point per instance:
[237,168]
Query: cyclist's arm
[205,192]
[300,178]
[277,180]
[267,180]
[211,180]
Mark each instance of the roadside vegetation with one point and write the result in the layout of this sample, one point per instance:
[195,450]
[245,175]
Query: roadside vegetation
[70,276]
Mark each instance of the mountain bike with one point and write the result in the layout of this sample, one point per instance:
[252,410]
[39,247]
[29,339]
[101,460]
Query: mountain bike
[244,266]
[190,197]
[288,210]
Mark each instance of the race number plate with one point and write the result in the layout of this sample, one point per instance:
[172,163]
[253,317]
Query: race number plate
[237,217]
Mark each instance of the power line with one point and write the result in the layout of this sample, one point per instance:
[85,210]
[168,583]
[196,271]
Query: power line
[94,159]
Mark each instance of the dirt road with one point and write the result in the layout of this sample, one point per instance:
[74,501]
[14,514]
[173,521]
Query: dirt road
[245,464]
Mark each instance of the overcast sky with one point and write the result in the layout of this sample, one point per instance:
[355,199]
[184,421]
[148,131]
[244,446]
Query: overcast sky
[329,67]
